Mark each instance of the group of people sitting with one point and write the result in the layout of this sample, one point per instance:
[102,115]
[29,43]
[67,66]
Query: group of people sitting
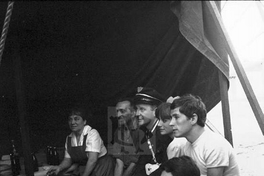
[155,136]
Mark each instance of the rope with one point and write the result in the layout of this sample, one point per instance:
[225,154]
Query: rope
[5,27]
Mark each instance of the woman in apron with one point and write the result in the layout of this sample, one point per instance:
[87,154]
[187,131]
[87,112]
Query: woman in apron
[85,153]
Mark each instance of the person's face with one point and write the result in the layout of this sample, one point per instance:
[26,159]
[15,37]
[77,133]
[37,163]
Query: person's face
[164,127]
[181,124]
[124,112]
[164,173]
[145,114]
[76,123]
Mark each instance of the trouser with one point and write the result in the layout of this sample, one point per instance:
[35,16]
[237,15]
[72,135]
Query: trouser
[104,167]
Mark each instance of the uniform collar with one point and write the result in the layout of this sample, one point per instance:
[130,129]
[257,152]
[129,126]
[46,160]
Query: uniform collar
[154,126]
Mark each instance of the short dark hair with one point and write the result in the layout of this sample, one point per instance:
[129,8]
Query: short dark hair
[190,104]
[181,166]
[81,111]
[163,111]
[129,99]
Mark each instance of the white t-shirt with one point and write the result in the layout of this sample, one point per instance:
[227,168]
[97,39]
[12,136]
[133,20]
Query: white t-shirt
[210,150]
[173,147]
[94,142]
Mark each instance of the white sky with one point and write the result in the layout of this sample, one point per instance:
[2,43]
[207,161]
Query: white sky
[245,26]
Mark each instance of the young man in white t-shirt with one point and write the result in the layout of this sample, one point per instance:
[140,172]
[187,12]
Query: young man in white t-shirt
[212,153]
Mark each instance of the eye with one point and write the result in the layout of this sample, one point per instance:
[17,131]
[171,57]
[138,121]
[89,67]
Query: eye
[175,116]
[77,118]
[166,120]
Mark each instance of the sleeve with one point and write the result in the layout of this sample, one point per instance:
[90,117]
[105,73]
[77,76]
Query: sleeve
[217,154]
[175,147]
[93,142]
[66,154]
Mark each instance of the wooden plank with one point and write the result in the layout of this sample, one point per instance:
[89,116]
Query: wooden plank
[22,109]
[225,107]
[237,64]
[217,43]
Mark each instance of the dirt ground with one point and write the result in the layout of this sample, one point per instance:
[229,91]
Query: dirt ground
[250,159]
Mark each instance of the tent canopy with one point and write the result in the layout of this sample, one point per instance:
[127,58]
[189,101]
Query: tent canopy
[95,52]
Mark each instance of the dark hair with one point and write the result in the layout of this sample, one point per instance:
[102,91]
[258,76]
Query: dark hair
[181,166]
[80,111]
[163,111]
[129,99]
[190,104]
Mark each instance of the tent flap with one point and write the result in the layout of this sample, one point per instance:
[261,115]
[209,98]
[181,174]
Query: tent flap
[95,52]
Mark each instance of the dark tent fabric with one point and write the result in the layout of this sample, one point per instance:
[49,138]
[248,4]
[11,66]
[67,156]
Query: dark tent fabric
[196,25]
[95,52]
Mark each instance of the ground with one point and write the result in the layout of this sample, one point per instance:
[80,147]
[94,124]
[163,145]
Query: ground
[250,159]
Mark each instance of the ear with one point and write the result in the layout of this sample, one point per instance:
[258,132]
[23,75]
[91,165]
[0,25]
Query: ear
[154,111]
[194,119]
[84,122]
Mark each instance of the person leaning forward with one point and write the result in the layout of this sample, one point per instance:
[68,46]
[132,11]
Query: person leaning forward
[212,153]
[126,138]
[85,153]
[146,101]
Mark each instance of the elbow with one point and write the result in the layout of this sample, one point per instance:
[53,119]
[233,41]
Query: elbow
[93,161]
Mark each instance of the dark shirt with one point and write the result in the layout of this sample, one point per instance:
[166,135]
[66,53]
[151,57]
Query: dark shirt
[126,143]
[159,144]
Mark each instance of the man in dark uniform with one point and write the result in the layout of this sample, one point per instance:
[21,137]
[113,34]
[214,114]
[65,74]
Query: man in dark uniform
[152,143]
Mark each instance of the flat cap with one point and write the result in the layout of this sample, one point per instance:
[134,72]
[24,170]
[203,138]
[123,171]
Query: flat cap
[146,95]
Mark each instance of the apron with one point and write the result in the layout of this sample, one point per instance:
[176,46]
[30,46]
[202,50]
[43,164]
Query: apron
[104,166]
[77,153]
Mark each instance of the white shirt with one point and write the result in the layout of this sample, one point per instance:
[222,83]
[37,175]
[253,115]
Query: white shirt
[210,150]
[94,142]
[174,147]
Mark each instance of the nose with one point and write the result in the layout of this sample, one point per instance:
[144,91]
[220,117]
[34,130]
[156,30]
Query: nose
[71,121]
[172,122]
[160,123]
[119,114]
[137,112]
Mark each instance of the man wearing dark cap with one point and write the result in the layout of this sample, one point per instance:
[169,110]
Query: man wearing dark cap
[153,145]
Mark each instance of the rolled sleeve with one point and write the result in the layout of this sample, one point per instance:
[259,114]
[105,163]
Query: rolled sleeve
[93,142]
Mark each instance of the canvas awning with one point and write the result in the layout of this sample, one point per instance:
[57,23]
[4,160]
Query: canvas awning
[94,52]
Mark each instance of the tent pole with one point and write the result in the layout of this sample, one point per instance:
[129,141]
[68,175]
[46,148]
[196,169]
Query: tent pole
[223,84]
[22,109]
[237,65]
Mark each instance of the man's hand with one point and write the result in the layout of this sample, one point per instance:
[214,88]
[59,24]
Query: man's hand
[54,170]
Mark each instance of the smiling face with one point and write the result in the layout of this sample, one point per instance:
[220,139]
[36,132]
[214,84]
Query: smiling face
[181,124]
[76,123]
[145,114]
[164,126]
[124,112]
